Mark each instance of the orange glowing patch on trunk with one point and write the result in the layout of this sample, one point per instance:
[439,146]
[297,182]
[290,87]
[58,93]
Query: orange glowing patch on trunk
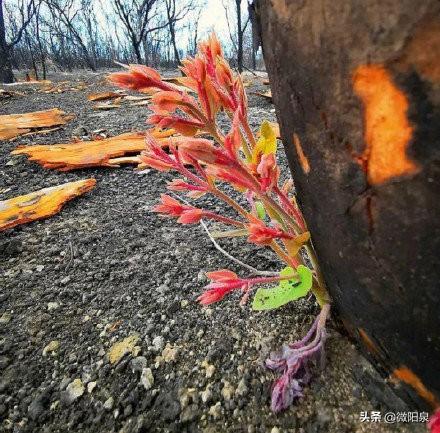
[387,128]
[304,162]
[406,375]
[40,204]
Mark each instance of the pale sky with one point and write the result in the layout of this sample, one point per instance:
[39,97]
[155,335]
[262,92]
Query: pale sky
[213,17]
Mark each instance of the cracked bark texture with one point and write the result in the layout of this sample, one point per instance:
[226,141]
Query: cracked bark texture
[378,242]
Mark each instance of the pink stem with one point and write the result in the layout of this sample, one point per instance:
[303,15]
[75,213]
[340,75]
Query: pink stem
[262,280]
[287,203]
[221,218]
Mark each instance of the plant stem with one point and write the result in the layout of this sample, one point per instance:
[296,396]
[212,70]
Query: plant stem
[223,219]
[291,261]
[234,259]
[320,291]
[249,133]
[231,202]
[288,219]
[293,209]
[246,150]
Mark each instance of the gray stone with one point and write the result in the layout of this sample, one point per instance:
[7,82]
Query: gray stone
[36,408]
[242,388]
[138,363]
[168,406]
[190,413]
[74,390]
[4,362]
[108,405]
[158,343]
[5,318]
[147,378]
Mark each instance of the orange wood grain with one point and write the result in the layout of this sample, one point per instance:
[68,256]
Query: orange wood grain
[13,125]
[40,204]
[71,156]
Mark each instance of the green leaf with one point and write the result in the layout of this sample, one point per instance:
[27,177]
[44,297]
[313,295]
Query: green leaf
[286,291]
[261,212]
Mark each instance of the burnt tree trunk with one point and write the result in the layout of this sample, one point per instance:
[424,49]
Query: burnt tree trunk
[240,32]
[357,92]
[6,75]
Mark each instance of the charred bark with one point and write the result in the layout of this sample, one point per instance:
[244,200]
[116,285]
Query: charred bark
[26,13]
[6,75]
[357,92]
[239,36]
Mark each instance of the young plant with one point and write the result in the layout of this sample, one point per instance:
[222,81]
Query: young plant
[207,158]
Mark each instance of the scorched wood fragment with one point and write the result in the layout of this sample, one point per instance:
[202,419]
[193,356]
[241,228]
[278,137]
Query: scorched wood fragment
[40,204]
[104,96]
[71,156]
[357,93]
[13,125]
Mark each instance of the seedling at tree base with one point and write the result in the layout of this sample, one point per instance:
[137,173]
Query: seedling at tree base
[207,158]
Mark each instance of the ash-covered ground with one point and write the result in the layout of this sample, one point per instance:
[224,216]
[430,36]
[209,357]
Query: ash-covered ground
[106,269]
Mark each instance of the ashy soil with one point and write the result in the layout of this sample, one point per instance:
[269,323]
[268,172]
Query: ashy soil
[107,270]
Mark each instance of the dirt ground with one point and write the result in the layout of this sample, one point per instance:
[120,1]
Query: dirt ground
[107,268]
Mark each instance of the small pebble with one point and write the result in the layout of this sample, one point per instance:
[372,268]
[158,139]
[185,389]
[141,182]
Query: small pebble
[52,306]
[147,378]
[74,390]
[158,343]
[5,317]
[216,410]
[90,387]
[52,347]
[108,405]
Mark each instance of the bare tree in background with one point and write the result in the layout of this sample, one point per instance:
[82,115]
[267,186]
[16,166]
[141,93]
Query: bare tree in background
[88,17]
[237,34]
[116,45]
[137,16]
[71,34]
[256,42]
[193,30]
[67,13]
[32,48]
[175,12]
[26,11]
[41,45]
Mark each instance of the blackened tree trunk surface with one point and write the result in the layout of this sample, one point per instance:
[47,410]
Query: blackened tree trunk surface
[6,75]
[171,17]
[357,91]
[240,32]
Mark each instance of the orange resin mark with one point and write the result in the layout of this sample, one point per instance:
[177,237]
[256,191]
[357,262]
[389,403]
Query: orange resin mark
[406,375]
[370,345]
[387,128]
[304,162]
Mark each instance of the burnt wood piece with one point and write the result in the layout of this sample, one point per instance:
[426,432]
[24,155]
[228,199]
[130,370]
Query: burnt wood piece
[358,85]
